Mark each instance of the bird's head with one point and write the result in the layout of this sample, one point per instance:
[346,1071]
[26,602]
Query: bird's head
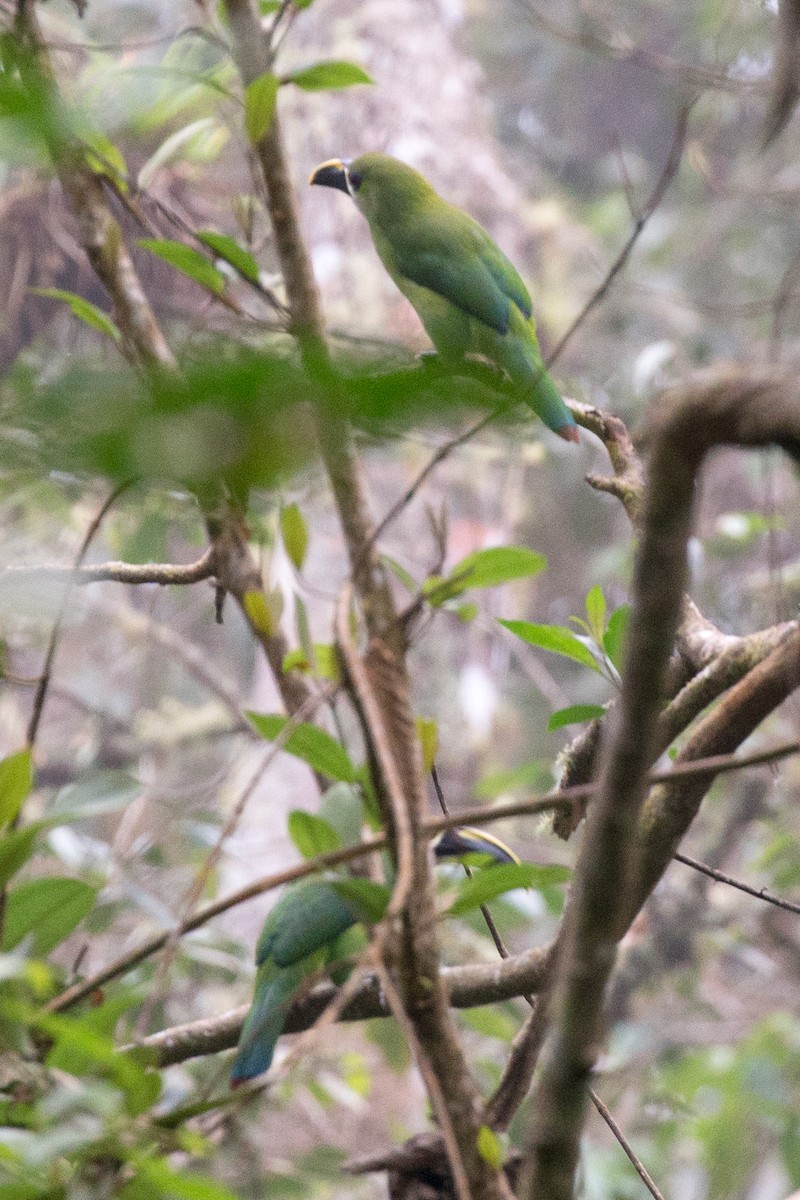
[453,843]
[378,183]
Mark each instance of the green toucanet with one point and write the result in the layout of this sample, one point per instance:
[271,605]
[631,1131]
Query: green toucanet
[312,926]
[467,294]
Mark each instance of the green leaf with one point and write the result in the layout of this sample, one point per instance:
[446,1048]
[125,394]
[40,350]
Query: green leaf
[493,881]
[487,568]
[16,781]
[187,260]
[260,98]
[490,1147]
[326,76]
[428,732]
[313,745]
[369,898]
[575,714]
[84,310]
[163,1182]
[104,158]
[50,909]
[228,249]
[294,532]
[312,835]
[555,638]
[614,637]
[408,581]
[343,809]
[596,612]
[16,848]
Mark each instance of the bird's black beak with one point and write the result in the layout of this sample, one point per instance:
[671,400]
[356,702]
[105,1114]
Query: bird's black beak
[452,843]
[331,174]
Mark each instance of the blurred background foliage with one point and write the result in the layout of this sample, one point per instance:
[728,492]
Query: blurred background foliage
[551,124]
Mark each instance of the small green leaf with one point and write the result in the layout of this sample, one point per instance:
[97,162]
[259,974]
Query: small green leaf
[260,98]
[596,612]
[294,532]
[614,637]
[16,848]
[104,158]
[84,310]
[259,613]
[408,581]
[312,835]
[50,909]
[368,898]
[493,881]
[309,743]
[486,568]
[490,1147]
[327,76]
[467,612]
[555,638]
[575,714]
[226,248]
[303,630]
[187,260]
[428,732]
[16,781]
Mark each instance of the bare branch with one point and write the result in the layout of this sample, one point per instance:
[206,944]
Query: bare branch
[721,877]
[165,574]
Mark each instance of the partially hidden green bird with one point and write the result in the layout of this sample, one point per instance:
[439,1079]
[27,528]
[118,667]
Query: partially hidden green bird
[467,294]
[314,925]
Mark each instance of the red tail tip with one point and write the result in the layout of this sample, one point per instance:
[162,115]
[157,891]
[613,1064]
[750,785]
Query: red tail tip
[570,433]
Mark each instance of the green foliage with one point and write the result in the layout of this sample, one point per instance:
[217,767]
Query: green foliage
[16,781]
[294,532]
[555,638]
[313,745]
[326,76]
[311,834]
[187,260]
[574,714]
[369,899]
[495,880]
[231,252]
[260,99]
[84,310]
[485,569]
[47,910]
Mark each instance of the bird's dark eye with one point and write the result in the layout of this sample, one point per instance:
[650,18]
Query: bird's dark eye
[355,180]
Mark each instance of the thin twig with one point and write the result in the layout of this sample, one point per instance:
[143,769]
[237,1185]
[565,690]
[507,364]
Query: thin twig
[721,877]
[55,634]
[639,1167]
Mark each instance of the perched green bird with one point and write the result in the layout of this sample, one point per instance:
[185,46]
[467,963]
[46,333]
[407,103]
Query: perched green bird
[467,294]
[313,925]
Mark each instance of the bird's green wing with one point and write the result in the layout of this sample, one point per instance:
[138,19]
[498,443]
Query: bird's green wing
[307,918]
[454,256]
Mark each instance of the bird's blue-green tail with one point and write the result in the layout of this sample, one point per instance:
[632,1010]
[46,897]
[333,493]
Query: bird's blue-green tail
[548,403]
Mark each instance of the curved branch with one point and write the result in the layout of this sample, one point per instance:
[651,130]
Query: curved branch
[726,406]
